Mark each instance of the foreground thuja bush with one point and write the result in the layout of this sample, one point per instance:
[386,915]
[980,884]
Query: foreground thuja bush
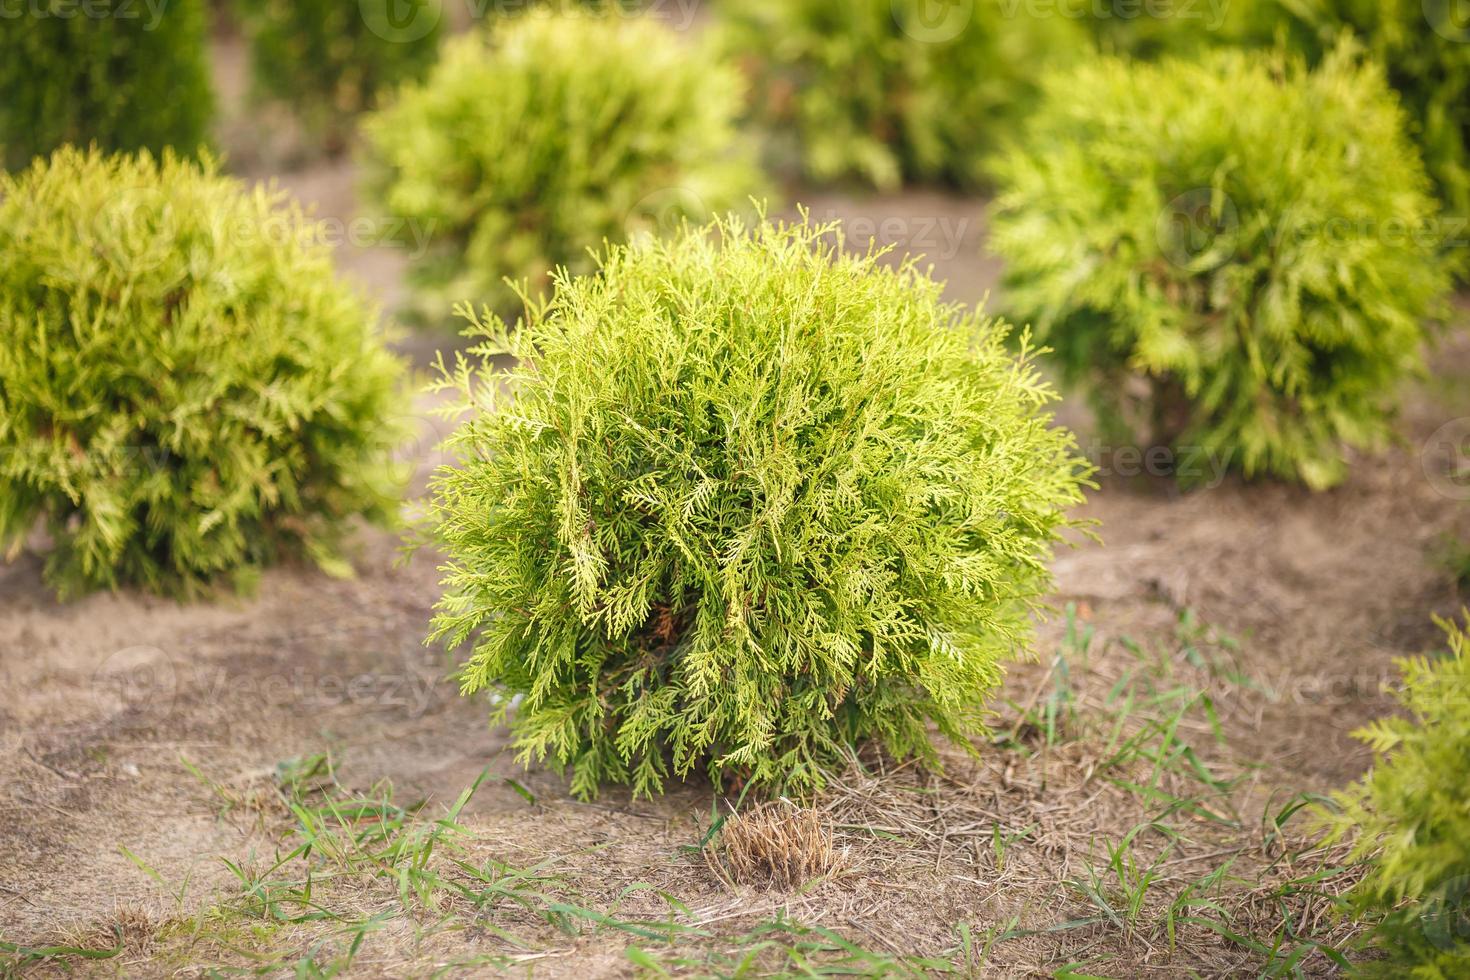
[186,390]
[548,135]
[123,75]
[1412,817]
[328,60]
[885,91]
[746,501]
[1238,255]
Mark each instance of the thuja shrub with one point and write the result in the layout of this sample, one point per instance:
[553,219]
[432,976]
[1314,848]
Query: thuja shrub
[885,92]
[1425,47]
[745,501]
[123,75]
[1411,817]
[1236,255]
[329,61]
[187,392]
[547,134]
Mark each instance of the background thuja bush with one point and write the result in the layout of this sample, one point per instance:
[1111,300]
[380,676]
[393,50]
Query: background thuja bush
[747,501]
[1425,47]
[881,92]
[329,60]
[547,135]
[185,388]
[122,75]
[1411,815]
[1237,254]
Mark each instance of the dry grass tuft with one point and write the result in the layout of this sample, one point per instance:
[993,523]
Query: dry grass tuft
[778,845]
[133,931]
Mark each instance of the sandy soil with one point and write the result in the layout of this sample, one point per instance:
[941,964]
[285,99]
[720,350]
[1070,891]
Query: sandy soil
[102,701]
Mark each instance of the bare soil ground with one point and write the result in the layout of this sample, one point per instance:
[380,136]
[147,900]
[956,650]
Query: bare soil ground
[1205,667]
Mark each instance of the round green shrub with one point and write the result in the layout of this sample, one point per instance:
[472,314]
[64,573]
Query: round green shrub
[329,60]
[541,138]
[186,390]
[1425,47]
[884,92]
[1411,818]
[123,75]
[746,501]
[1236,255]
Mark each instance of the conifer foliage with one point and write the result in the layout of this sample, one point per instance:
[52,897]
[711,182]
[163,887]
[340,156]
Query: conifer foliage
[1238,255]
[1424,45]
[546,134]
[892,91]
[329,60]
[1412,817]
[186,390]
[125,76]
[745,501]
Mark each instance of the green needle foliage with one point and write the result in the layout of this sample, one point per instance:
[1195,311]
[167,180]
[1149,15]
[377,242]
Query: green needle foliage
[1411,814]
[1425,47]
[186,390]
[541,138]
[1179,28]
[885,92]
[1237,254]
[745,501]
[123,75]
[329,60]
